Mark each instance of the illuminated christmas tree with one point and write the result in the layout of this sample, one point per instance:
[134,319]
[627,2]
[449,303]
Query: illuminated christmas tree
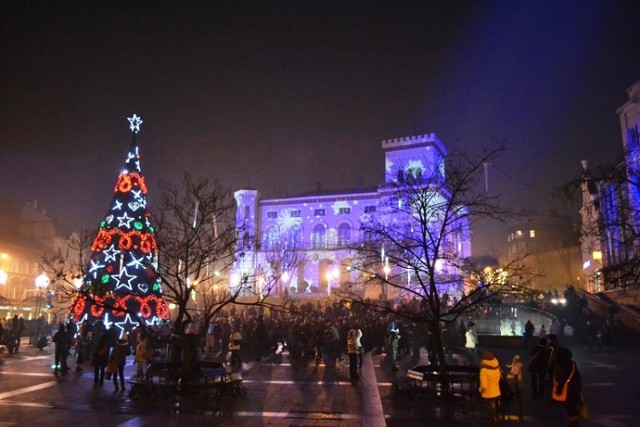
[120,283]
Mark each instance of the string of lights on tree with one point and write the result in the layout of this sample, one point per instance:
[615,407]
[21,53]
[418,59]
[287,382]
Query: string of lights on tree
[121,285]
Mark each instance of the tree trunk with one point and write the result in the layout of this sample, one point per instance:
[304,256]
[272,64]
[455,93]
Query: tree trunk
[436,336]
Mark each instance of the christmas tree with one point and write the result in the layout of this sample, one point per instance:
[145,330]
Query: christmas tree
[120,283]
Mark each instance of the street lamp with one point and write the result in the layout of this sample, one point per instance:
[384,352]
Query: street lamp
[42,283]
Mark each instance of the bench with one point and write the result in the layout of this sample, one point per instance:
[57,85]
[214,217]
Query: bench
[145,388]
[159,380]
[461,380]
[232,383]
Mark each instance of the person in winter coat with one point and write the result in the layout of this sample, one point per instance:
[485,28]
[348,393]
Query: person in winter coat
[515,374]
[539,368]
[360,348]
[490,385]
[143,353]
[99,359]
[471,341]
[394,339]
[62,343]
[119,355]
[566,373]
[235,345]
[353,337]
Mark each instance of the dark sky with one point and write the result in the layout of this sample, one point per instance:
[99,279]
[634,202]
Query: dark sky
[281,95]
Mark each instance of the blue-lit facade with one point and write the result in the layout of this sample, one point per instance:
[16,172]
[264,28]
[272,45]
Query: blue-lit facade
[324,229]
[611,209]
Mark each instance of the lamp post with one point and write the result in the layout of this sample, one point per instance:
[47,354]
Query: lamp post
[386,270]
[42,283]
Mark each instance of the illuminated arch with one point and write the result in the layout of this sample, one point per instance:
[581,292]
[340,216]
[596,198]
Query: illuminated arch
[319,236]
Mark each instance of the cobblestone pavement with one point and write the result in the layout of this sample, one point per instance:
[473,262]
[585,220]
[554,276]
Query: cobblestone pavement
[280,393]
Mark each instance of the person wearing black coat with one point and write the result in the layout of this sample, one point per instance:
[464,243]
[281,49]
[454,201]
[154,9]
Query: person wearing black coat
[62,342]
[566,373]
[539,368]
[119,356]
[99,359]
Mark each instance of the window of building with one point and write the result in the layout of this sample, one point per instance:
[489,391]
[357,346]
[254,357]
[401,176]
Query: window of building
[344,234]
[319,212]
[296,236]
[344,211]
[295,213]
[272,215]
[247,212]
[532,233]
[318,236]
[271,238]
[519,233]
[369,209]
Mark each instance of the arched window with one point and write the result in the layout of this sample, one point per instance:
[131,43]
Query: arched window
[344,234]
[318,239]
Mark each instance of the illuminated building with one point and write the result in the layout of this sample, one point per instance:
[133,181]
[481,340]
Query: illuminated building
[610,210]
[324,228]
[26,235]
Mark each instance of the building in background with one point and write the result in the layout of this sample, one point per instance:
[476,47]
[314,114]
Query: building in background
[610,211]
[26,236]
[547,244]
[324,228]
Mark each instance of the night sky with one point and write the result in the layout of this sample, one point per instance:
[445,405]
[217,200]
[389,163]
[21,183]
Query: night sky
[282,95]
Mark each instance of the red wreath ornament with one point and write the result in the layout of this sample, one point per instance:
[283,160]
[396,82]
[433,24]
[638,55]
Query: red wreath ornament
[125,241]
[147,242]
[102,240]
[138,180]
[97,308]
[77,307]
[145,308]
[120,306]
[124,184]
[161,308]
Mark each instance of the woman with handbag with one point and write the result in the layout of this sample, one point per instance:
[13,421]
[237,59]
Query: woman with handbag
[567,386]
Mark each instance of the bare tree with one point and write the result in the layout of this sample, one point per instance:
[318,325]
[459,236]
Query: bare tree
[414,247]
[66,266]
[198,243]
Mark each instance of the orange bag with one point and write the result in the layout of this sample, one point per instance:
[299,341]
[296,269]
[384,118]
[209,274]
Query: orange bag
[562,396]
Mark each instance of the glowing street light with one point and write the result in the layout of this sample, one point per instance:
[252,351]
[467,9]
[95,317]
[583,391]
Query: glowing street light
[42,283]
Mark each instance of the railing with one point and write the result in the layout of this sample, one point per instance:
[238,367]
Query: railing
[601,307]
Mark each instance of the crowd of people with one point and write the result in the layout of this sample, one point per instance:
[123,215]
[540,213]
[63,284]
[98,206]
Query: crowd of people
[327,332]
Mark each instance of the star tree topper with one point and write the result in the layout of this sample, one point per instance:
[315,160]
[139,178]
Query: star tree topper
[135,123]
